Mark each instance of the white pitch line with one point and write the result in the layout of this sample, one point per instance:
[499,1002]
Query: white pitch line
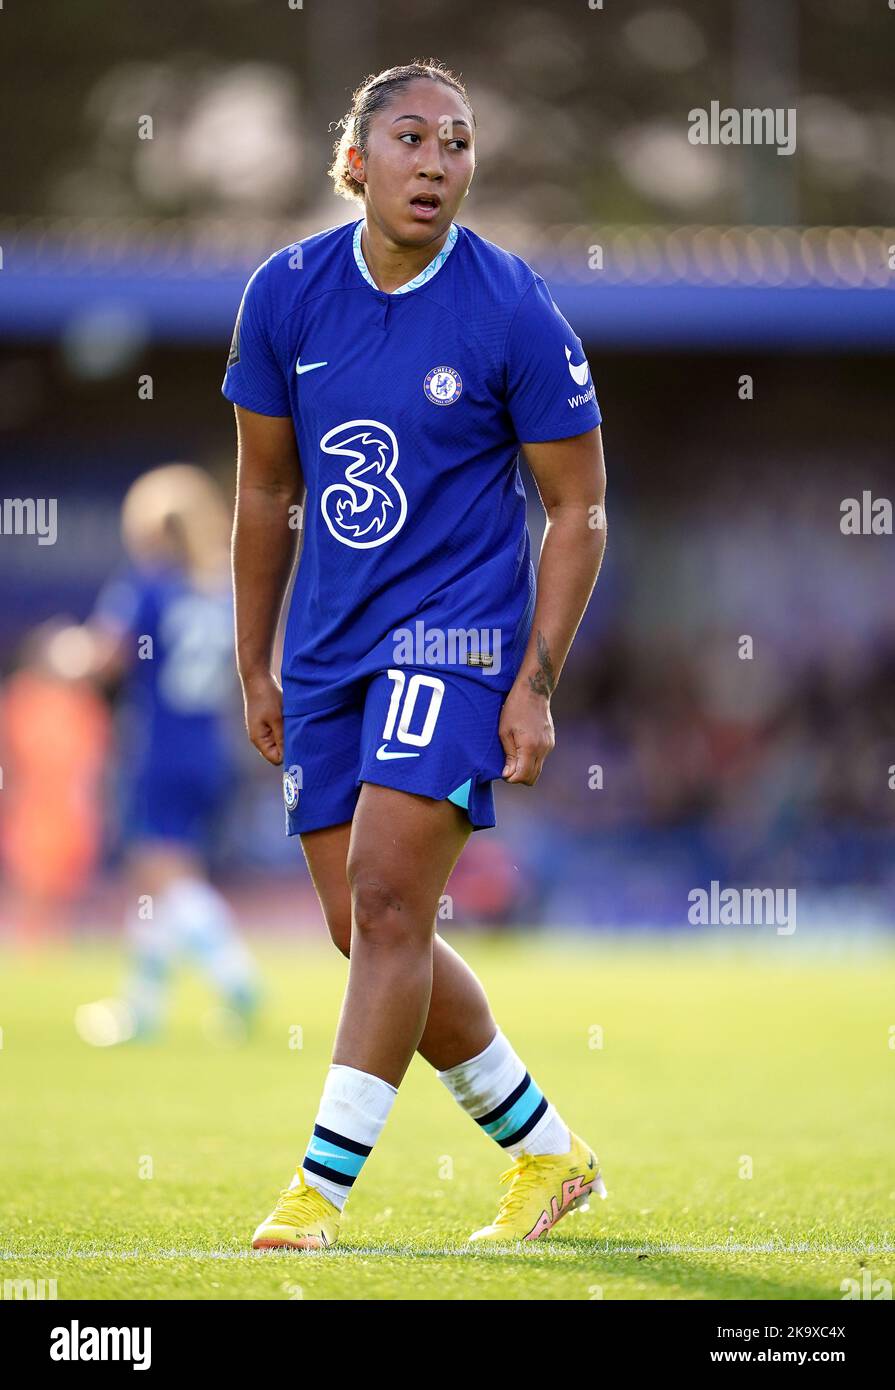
[342,1252]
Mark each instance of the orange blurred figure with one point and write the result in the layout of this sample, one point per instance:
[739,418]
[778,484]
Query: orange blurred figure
[55,734]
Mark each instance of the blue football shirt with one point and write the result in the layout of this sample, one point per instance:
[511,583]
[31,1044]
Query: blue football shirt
[409,410]
[180,683]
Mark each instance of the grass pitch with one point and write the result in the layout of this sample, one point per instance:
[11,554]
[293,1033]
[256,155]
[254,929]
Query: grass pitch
[141,1172]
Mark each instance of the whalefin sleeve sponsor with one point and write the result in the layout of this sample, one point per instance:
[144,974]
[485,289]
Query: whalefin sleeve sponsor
[549,391]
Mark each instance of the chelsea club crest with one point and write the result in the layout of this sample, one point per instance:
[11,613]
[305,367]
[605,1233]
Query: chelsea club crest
[290,791]
[443,386]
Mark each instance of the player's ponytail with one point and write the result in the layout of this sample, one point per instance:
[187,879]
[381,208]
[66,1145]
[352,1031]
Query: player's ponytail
[374,93]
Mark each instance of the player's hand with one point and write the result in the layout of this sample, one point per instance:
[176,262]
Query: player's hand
[264,715]
[526,732]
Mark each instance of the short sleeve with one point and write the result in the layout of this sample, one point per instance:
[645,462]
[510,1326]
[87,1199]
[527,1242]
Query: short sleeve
[254,377]
[549,391]
[121,605]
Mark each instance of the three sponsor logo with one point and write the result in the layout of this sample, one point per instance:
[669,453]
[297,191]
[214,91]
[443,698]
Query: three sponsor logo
[367,506]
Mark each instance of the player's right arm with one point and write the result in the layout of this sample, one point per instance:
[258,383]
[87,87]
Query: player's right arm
[269,490]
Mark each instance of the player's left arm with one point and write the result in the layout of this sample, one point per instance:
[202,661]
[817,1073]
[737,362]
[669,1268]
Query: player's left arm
[571,479]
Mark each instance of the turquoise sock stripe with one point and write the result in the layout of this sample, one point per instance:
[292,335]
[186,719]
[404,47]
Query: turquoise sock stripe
[334,1158]
[517,1115]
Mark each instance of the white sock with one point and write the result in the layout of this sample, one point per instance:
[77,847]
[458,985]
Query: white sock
[353,1109]
[152,949]
[496,1090]
[206,932]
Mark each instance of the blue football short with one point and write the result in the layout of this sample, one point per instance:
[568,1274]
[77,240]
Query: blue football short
[180,805]
[431,734]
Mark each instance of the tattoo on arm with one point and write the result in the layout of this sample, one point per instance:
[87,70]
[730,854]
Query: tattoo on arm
[543,681]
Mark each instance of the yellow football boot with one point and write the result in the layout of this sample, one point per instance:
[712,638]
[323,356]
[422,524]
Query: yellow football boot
[303,1219]
[543,1188]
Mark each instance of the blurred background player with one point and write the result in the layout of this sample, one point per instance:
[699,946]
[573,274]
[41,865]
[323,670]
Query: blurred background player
[165,625]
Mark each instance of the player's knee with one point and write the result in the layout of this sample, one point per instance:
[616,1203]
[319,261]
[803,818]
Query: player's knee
[380,909]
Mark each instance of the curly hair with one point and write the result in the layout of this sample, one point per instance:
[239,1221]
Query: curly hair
[374,93]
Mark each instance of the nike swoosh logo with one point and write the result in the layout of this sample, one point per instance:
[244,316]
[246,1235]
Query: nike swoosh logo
[578,371]
[326,1153]
[382,755]
[309,366]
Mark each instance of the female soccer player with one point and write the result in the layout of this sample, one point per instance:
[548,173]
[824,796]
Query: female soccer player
[385,373]
[164,625]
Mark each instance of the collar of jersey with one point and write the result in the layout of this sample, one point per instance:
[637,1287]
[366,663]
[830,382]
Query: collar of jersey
[418,281]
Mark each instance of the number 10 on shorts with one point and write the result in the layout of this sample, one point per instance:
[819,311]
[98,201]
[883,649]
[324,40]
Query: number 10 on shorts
[403,703]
